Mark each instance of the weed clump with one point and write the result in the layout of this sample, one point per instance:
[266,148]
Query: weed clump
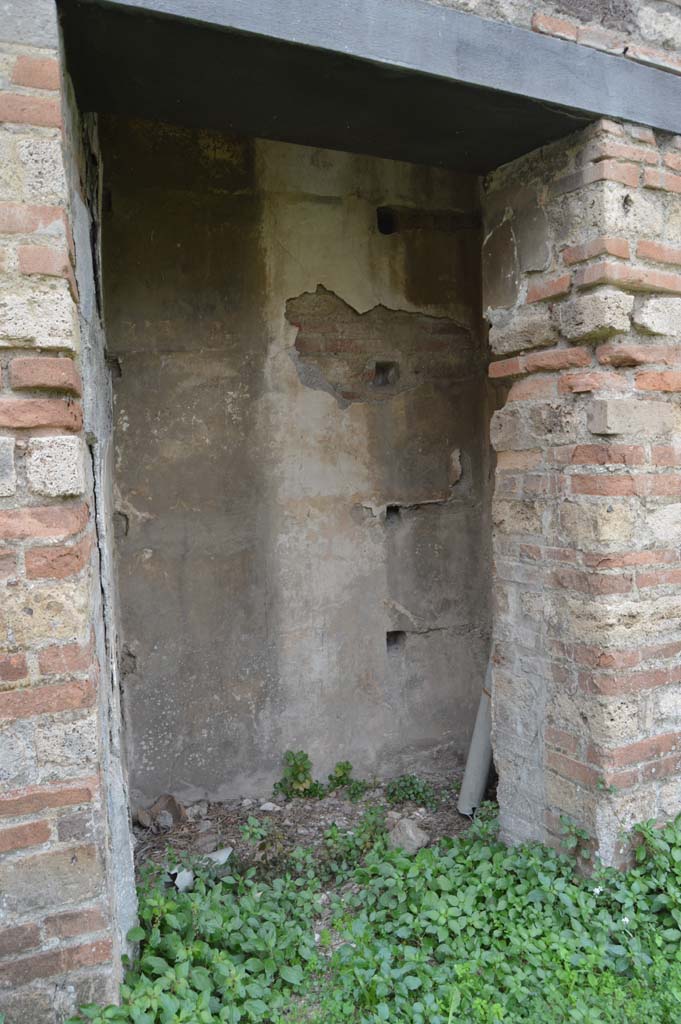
[411,789]
[297,780]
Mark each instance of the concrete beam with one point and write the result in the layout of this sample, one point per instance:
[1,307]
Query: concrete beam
[426,39]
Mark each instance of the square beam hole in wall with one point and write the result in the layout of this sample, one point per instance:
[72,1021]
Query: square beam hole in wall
[393,514]
[386,374]
[395,639]
[386,220]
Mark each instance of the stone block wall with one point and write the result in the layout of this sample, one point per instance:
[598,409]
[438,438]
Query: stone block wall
[582,268]
[57,946]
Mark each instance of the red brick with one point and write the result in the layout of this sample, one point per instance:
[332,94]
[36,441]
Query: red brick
[673,161]
[58,562]
[653,57]
[612,149]
[28,413]
[603,484]
[535,553]
[575,383]
[18,940]
[668,485]
[600,246]
[12,667]
[75,825]
[604,170]
[34,799]
[621,779]
[58,660]
[607,455]
[624,276]
[43,259]
[627,682]
[600,39]
[591,583]
[74,923]
[58,961]
[661,769]
[36,72]
[647,250]
[19,108]
[43,700]
[506,368]
[642,134]
[532,388]
[660,578]
[627,559]
[596,657]
[46,261]
[551,26]
[571,769]
[661,651]
[604,124]
[661,380]
[510,461]
[665,455]
[44,373]
[21,219]
[54,521]
[557,359]
[24,836]
[636,355]
[538,291]
[662,180]
[560,738]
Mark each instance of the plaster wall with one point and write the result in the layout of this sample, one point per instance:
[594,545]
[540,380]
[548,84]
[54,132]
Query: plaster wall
[301,467]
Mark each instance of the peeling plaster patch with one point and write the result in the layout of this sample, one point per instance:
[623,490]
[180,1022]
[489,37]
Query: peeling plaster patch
[373,356]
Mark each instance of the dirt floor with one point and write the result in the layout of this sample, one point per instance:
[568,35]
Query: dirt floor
[203,828]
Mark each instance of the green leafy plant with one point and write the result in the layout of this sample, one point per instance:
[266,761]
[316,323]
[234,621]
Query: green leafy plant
[411,789]
[254,831]
[464,931]
[269,842]
[297,777]
[343,850]
[341,778]
[576,840]
[356,789]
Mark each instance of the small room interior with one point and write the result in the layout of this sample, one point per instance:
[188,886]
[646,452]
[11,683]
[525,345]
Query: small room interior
[302,474]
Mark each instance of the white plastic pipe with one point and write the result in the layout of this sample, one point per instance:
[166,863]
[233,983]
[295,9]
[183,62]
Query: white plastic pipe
[479,754]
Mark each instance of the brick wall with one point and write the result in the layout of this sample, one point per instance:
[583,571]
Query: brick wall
[582,265]
[56,944]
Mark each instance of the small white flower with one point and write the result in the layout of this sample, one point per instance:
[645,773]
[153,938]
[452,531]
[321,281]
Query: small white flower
[625,920]
[598,890]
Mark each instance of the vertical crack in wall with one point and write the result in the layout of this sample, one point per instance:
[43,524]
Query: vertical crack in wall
[83,174]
